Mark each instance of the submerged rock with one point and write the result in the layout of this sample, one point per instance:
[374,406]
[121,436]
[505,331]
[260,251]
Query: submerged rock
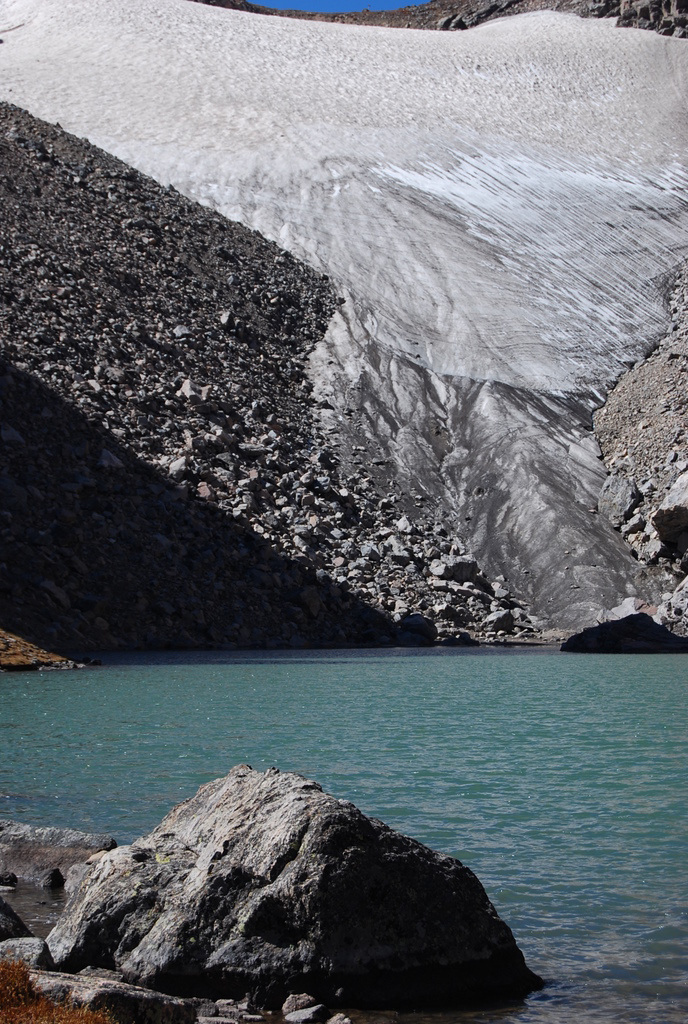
[44,855]
[633,634]
[263,884]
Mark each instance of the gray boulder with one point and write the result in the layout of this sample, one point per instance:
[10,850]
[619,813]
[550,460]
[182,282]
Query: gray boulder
[263,884]
[297,1001]
[11,925]
[502,619]
[317,1014]
[633,634]
[464,569]
[31,951]
[460,568]
[671,518]
[420,624]
[618,498]
[128,1004]
[34,853]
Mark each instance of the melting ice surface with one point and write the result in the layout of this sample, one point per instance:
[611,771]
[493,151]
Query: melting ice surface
[502,209]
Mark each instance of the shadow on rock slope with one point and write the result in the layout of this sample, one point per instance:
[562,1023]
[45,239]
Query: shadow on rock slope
[103,551]
[118,298]
[163,477]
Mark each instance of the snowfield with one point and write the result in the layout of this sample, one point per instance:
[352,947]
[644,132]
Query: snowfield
[502,209]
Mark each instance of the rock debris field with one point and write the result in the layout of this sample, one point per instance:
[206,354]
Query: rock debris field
[164,479]
[501,209]
[206,442]
[643,433]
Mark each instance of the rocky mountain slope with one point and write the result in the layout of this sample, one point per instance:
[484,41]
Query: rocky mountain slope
[501,210]
[668,17]
[643,433]
[164,479]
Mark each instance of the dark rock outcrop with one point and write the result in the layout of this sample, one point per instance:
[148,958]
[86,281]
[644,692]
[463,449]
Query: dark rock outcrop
[634,634]
[262,883]
[11,925]
[667,17]
[44,855]
[671,518]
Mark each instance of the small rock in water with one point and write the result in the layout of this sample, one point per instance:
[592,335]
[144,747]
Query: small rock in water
[51,879]
[317,1014]
[297,1002]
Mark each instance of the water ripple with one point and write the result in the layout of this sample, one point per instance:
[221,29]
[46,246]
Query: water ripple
[560,780]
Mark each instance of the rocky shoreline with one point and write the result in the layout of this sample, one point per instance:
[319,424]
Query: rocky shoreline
[18,655]
[260,892]
[165,480]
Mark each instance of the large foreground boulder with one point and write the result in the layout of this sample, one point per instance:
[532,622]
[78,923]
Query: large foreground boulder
[633,634]
[36,853]
[263,884]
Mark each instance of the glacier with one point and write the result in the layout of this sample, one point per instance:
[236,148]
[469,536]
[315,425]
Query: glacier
[502,212]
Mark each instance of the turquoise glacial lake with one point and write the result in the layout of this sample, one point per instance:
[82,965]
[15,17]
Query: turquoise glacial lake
[561,780]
